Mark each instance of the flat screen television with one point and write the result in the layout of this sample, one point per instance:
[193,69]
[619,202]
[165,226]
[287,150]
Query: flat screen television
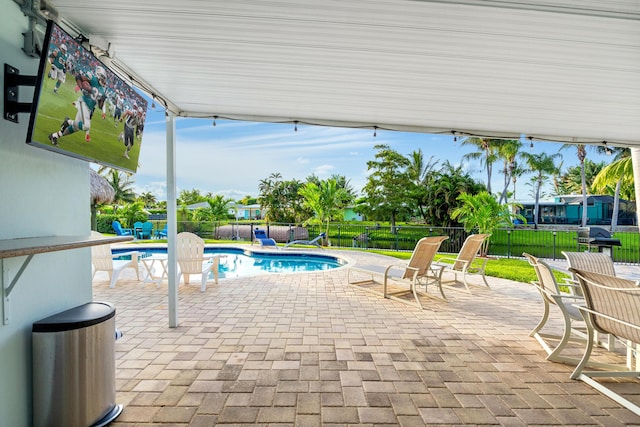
[83,109]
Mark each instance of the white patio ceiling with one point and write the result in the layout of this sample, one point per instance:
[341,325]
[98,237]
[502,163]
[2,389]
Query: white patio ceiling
[566,70]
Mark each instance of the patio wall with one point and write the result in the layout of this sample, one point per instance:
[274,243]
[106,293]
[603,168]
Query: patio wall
[42,194]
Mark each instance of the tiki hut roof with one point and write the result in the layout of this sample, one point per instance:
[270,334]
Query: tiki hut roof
[101,190]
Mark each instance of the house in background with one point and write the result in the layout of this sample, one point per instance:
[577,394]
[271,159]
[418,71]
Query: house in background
[351,215]
[567,209]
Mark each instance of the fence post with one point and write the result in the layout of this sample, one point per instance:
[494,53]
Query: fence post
[366,237]
[508,244]
[554,245]
[339,241]
[395,230]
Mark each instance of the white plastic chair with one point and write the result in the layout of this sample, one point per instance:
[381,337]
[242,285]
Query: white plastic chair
[103,260]
[192,259]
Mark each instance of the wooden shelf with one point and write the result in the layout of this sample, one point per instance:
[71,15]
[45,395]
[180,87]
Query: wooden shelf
[10,248]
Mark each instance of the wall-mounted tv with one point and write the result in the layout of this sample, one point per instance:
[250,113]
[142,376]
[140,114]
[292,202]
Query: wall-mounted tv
[83,109]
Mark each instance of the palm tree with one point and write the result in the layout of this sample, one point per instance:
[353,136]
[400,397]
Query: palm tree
[508,151]
[218,207]
[483,213]
[419,173]
[122,185]
[542,165]
[149,199]
[517,171]
[619,172]
[486,153]
[581,151]
[635,159]
[326,199]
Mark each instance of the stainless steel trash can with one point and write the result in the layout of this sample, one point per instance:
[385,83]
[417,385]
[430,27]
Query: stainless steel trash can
[74,367]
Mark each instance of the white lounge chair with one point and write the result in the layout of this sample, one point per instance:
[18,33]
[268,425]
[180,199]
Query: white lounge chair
[103,260]
[308,242]
[466,263]
[192,259]
[417,272]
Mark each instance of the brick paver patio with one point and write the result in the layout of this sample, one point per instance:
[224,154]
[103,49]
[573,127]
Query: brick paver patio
[307,349]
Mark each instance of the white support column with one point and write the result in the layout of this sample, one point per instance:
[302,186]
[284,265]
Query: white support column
[172,224]
[635,161]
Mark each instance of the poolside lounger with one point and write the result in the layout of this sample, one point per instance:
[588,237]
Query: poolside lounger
[388,281]
[466,263]
[308,242]
[265,241]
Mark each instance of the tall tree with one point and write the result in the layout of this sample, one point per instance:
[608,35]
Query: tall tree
[442,191]
[508,150]
[190,197]
[518,170]
[386,188]
[122,185]
[570,182]
[616,175]
[420,172]
[327,200]
[486,153]
[581,152]
[148,199]
[541,165]
[281,200]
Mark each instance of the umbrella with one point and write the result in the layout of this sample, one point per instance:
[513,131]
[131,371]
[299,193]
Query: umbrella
[101,192]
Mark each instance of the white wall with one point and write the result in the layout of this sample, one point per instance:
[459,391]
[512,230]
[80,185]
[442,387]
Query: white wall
[41,194]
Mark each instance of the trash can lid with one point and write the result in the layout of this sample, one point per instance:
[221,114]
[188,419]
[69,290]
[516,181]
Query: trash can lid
[82,316]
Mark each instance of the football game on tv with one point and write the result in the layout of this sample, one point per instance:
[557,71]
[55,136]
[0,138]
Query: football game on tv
[83,109]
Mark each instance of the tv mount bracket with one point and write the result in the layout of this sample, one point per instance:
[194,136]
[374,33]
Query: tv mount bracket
[12,81]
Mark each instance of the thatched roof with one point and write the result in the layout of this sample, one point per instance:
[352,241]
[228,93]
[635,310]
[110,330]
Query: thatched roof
[101,190]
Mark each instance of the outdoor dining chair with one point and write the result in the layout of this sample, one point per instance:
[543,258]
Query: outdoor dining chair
[611,306]
[552,296]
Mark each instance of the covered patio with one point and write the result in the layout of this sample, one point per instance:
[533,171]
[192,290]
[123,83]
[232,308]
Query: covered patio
[307,349]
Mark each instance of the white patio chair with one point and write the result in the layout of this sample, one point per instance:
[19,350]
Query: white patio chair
[553,296]
[103,260]
[192,259]
[595,262]
[611,306]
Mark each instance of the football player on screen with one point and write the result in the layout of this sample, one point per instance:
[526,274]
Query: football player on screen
[92,87]
[132,119]
[58,60]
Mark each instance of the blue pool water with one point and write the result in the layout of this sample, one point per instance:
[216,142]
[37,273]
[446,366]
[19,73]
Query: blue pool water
[237,262]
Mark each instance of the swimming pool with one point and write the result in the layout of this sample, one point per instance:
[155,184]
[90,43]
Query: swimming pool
[238,262]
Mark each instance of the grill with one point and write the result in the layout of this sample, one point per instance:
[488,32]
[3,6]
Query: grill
[597,237]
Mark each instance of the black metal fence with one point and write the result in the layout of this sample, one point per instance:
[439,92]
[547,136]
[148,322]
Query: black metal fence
[541,242]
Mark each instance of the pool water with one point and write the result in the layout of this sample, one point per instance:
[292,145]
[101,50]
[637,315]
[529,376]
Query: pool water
[236,262]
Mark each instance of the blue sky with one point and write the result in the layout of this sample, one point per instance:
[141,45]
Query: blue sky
[232,157]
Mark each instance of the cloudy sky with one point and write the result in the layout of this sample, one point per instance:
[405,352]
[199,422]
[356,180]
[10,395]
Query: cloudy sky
[232,157]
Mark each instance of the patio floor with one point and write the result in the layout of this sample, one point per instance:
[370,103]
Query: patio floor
[307,349]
